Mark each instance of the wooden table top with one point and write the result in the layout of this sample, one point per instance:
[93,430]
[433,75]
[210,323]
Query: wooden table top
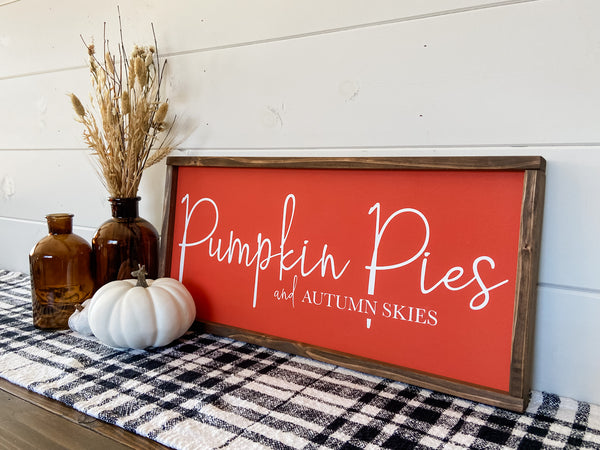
[32,421]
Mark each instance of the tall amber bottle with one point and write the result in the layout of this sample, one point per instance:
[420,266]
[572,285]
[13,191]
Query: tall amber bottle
[124,242]
[61,273]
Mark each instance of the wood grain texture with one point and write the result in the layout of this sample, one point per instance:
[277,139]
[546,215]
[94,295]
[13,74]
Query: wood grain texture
[442,77]
[29,420]
[169,203]
[375,163]
[527,281]
[525,299]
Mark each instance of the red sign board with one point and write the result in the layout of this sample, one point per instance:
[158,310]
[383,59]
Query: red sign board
[411,268]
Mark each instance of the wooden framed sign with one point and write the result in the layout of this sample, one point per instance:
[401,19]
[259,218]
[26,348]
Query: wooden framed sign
[422,270]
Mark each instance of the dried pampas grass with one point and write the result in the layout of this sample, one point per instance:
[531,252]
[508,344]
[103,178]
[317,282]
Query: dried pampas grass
[127,127]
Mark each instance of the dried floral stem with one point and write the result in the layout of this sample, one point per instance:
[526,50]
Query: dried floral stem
[128,131]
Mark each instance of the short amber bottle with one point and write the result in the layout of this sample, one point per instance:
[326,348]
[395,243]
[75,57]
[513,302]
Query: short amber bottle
[61,273]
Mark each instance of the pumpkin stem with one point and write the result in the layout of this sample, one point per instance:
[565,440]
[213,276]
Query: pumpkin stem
[140,274]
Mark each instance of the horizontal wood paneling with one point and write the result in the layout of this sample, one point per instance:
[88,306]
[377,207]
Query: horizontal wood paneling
[188,25]
[325,77]
[39,114]
[571,219]
[36,183]
[447,80]
[567,355]
[19,236]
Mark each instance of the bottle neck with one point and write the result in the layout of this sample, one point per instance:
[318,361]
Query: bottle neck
[124,208]
[60,223]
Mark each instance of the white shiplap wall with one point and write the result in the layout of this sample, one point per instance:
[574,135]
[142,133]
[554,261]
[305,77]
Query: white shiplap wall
[332,77]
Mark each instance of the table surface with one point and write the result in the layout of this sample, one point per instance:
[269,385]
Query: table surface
[29,420]
[206,391]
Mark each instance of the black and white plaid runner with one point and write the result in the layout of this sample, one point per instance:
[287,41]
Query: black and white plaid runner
[205,392]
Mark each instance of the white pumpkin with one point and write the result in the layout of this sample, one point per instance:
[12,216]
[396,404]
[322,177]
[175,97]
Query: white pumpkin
[78,321]
[139,313]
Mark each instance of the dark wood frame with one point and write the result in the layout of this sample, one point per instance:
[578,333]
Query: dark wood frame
[533,167]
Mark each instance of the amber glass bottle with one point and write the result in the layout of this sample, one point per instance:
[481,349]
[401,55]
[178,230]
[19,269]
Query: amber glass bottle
[61,273]
[124,242]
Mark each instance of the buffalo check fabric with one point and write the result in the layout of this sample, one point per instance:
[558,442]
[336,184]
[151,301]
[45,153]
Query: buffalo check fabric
[209,392]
